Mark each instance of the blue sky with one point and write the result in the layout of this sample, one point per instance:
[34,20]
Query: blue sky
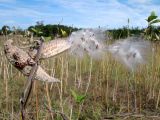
[79,13]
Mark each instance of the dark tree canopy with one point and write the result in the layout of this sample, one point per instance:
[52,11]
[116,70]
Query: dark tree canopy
[51,30]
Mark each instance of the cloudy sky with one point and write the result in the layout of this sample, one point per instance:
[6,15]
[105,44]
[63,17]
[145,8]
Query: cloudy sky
[79,13]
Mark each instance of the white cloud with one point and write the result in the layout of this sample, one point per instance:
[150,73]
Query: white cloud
[7,1]
[82,13]
[140,1]
[111,12]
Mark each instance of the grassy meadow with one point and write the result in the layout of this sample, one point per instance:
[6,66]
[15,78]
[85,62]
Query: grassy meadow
[89,89]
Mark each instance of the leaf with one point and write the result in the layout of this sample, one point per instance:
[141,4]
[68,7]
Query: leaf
[152,16]
[154,21]
[77,98]
[157,37]
[80,98]
[153,13]
[36,31]
[40,32]
[64,34]
[74,94]
[33,30]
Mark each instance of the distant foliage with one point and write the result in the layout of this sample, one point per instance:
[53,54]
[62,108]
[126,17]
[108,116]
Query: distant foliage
[52,30]
[152,32]
[5,30]
[48,31]
[122,33]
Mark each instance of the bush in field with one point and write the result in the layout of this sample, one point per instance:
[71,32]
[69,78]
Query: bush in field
[152,32]
[5,30]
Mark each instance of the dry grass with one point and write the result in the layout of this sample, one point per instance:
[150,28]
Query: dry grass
[112,91]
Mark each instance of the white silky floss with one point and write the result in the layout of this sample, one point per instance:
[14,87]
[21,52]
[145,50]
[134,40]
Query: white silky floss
[130,52]
[88,41]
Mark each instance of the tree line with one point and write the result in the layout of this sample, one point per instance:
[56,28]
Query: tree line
[151,32]
[40,30]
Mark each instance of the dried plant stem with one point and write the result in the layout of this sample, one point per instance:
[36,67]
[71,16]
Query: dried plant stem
[26,93]
[6,84]
[88,84]
[135,93]
[37,102]
[80,77]
[128,96]
[12,114]
[49,100]
[90,75]
[76,72]
[158,99]
[61,89]
[106,78]
[71,111]
[67,75]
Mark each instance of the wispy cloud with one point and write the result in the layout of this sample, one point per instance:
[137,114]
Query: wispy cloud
[140,1]
[86,13]
[7,1]
[112,13]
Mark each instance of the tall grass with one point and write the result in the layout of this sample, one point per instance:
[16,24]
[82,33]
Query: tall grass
[111,89]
